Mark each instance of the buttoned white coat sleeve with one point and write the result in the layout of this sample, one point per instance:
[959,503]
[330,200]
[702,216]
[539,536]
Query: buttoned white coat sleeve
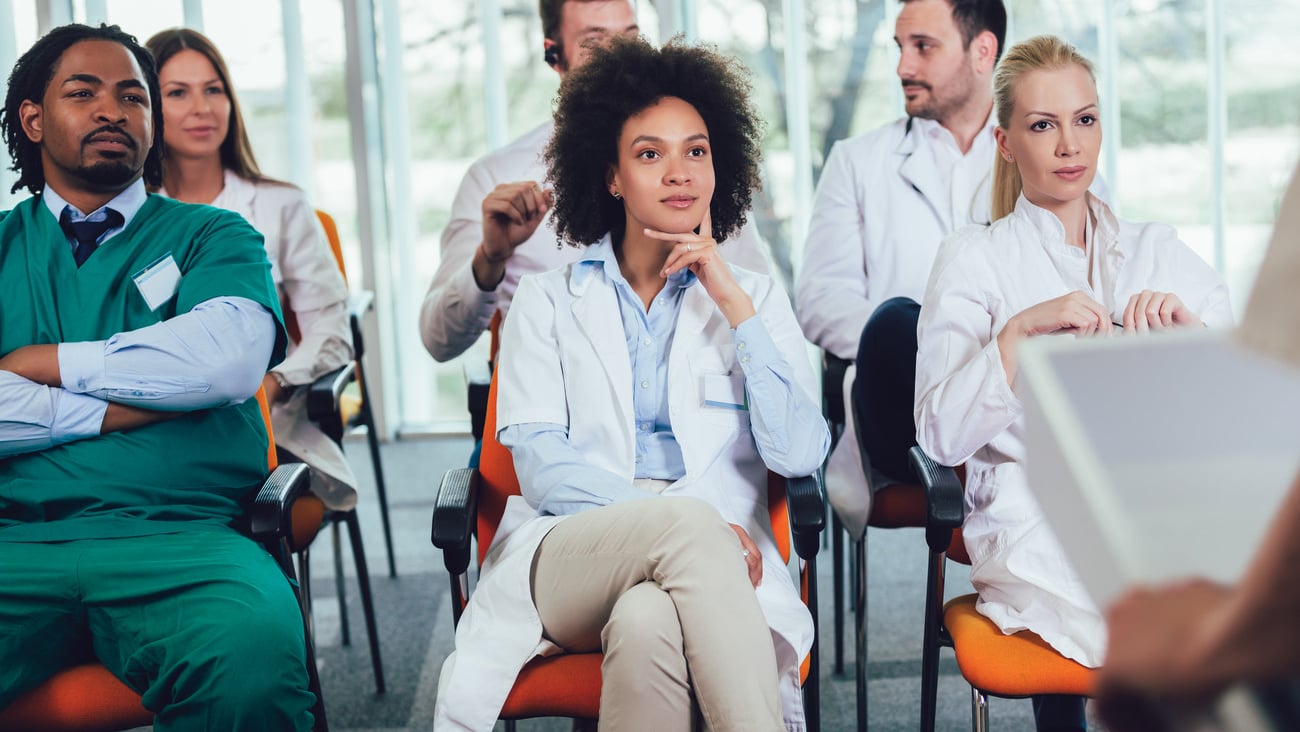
[313,287]
[455,312]
[963,400]
[831,292]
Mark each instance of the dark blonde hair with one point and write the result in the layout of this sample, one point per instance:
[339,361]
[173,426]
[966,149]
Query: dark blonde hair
[1040,53]
[236,151]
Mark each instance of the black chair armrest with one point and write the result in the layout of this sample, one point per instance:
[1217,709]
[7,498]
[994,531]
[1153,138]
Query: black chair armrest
[807,506]
[454,512]
[945,505]
[323,394]
[359,303]
[270,517]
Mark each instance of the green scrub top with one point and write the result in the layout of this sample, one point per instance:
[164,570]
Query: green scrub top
[200,467]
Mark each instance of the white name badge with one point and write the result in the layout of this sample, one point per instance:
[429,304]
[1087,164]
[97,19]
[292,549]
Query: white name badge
[159,281]
[725,391]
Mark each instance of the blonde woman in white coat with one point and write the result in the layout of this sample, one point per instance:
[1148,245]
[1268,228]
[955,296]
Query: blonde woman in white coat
[1055,261]
[644,393]
[209,160]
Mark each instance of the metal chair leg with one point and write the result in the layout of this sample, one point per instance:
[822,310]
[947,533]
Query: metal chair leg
[367,602]
[860,627]
[933,640]
[979,711]
[319,722]
[367,417]
[340,587]
[837,590]
[304,584]
[812,686]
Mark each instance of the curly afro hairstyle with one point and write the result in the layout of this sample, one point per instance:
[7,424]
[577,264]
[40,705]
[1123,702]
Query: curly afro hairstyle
[618,82]
[32,75]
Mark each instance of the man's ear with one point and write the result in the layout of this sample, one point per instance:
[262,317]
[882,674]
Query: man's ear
[30,116]
[985,46]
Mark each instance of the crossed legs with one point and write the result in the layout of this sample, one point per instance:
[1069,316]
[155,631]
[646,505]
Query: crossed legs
[660,586]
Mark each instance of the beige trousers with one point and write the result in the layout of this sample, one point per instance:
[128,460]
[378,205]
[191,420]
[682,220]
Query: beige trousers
[660,586]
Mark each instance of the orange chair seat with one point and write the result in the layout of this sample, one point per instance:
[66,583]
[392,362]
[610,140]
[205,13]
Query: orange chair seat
[83,698]
[557,686]
[349,406]
[898,506]
[1009,665]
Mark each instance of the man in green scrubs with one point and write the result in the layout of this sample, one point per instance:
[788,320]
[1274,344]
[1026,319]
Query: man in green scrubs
[133,332]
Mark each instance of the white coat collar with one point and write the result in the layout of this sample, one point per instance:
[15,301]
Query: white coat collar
[920,168]
[595,308]
[1050,232]
[237,194]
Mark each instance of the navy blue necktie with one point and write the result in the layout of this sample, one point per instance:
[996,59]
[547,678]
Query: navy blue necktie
[87,233]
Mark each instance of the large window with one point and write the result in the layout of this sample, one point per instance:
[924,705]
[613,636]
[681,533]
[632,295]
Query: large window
[1189,87]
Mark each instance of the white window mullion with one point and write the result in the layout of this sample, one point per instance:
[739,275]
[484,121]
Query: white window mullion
[1110,102]
[1217,124]
[194,14]
[494,74]
[800,128]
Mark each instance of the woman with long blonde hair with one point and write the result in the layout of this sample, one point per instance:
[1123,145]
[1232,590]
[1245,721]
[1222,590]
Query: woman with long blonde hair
[1056,260]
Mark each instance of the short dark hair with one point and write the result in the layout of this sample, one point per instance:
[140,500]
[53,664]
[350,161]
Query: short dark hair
[30,78]
[549,12]
[618,82]
[973,17]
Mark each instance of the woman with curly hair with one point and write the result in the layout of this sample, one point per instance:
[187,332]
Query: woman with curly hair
[644,392]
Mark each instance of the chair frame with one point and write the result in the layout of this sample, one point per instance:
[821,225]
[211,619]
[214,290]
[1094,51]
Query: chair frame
[323,407]
[945,513]
[454,529]
[268,521]
[325,411]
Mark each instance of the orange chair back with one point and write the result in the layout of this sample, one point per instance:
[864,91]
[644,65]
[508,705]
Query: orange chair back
[336,248]
[494,330]
[497,479]
[332,236]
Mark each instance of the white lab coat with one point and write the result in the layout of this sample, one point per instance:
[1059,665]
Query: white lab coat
[883,204]
[967,413]
[564,360]
[455,312]
[309,283]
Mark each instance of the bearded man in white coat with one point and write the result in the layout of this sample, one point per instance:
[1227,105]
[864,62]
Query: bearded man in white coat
[884,202]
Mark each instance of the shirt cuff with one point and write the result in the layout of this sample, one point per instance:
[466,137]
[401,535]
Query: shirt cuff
[754,346]
[76,416]
[81,366]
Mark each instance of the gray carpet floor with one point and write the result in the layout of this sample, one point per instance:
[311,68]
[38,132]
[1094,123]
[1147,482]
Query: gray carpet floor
[415,627]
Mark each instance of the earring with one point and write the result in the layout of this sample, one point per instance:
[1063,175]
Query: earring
[1011,158]
[617,196]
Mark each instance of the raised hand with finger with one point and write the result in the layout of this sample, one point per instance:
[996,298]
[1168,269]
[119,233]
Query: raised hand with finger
[511,213]
[698,252]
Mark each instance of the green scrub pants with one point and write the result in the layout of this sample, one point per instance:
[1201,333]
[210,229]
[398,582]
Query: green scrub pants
[203,624]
